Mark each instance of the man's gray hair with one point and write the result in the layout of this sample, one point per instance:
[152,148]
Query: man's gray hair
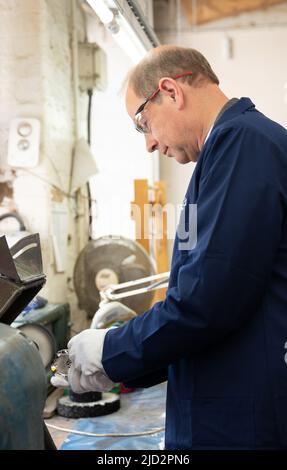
[169,61]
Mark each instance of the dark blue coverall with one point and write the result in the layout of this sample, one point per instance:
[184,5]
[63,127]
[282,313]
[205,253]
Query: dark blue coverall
[220,336]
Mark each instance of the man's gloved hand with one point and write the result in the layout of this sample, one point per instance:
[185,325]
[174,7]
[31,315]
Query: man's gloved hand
[81,383]
[59,381]
[112,312]
[86,350]
[86,372]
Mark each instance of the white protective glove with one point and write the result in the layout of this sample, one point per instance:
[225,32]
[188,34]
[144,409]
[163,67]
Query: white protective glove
[86,348]
[59,381]
[111,312]
[81,383]
[86,372]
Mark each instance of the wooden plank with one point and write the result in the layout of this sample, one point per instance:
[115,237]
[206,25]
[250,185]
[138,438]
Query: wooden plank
[139,213]
[160,232]
[151,224]
[213,10]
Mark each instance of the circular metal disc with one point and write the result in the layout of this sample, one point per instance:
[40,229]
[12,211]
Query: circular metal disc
[109,260]
[43,339]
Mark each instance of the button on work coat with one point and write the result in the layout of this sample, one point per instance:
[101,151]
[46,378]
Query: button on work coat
[220,336]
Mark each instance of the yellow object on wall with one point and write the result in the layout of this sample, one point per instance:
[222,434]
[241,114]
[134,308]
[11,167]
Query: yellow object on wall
[151,224]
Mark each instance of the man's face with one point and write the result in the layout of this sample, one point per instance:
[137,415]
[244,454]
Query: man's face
[167,130]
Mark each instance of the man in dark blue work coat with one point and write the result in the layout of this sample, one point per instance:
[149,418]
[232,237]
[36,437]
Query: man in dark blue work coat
[220,335]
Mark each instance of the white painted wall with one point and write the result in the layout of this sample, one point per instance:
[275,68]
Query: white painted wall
[36,78]
[118,148]
[36,81]
[258,69]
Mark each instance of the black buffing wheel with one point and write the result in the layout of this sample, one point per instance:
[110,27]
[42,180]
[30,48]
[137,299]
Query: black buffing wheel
[85,397]
[109,403]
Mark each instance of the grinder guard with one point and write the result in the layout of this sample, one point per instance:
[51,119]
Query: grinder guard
[21,278]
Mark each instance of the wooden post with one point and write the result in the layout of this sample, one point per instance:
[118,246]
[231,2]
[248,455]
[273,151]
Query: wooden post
[160,233]
[151,224]
[139,214]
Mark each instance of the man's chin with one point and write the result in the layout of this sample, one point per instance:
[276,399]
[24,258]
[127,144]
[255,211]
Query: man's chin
[182,159]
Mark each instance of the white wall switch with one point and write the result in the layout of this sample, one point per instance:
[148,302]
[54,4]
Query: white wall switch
[24,142]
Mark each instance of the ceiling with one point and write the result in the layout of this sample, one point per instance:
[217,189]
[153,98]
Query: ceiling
[198,12]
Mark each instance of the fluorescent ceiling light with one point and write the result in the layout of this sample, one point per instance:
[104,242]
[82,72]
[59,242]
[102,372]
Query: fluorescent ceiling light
[104,13]
[124,42]
[128,40]
[121,30]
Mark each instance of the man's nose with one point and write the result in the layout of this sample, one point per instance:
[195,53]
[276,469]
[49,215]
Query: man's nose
[151,143]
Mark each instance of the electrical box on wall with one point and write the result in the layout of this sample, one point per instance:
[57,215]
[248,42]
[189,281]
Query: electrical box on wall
[24,142]
[92,67]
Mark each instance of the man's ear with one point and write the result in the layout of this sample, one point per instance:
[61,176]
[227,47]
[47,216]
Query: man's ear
[170,88]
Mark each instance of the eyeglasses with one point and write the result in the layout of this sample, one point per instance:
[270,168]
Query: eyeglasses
[141,123]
